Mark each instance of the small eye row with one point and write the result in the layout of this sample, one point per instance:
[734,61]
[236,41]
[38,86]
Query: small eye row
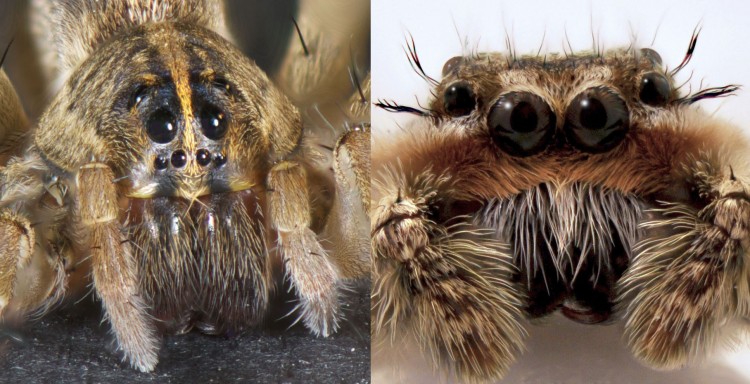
[179,159]
[523,124]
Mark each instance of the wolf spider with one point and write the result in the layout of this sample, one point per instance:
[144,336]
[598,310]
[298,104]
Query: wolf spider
[171,170]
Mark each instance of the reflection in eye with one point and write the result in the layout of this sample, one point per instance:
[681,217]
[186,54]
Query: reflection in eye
[459,99]
[161,126]
[521,123]
[597,120]
[655,89]
[213,122]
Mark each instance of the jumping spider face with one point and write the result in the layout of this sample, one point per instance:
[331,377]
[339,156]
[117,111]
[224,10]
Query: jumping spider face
[171,164]
[585,183]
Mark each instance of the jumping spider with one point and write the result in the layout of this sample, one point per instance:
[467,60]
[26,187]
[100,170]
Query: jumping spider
[586,183]
[172,170]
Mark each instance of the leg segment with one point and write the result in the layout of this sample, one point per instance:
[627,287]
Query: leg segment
[448,284]
[312,274]
[33,258]
[32,277]
[16,246]
[346,227]
[690,276]
[114,270]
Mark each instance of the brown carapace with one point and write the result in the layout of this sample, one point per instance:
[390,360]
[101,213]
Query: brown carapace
[171,168]
[585,183]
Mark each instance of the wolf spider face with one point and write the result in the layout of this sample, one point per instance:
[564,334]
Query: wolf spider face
[174,168]
[585,183]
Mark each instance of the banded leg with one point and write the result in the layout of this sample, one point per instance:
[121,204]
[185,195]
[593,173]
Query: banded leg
[13,122]
[33,278]
[311,272]
[684,285]
[36,259]
[113,267]
[450,285]
[16,246]
[346,227]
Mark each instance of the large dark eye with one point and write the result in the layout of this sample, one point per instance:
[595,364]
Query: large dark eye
[213,122]
[459,99]
[597,120]
[161,126]
[521,123]
[655,89]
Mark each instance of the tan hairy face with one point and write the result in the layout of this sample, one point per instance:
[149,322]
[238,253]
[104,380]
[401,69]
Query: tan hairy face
[173,107]
[556,79]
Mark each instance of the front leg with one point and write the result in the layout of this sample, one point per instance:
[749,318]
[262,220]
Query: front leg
[691,276]
[113,267]
[311,272]
[347,222]
[447,282]
[35,259]
[16,247]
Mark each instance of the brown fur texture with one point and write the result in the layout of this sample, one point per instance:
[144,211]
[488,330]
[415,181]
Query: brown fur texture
[175,171]
[13,121]
[657,224]
[80,27]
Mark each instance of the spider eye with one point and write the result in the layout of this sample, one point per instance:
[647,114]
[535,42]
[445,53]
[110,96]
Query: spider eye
[521,123]
[222,84]
[213,122]
[161,126]
[140,93]
[652,56]
[452,65]
[597,120]
[459,99]
[655,89]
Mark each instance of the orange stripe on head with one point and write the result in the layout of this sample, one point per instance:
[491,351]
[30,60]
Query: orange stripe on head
[181,78]
[177,64]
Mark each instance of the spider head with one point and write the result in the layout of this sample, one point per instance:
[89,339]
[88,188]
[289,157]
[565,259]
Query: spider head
[173,108]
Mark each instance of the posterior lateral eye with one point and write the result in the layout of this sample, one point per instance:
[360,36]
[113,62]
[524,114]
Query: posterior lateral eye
[213,122]
[138,96]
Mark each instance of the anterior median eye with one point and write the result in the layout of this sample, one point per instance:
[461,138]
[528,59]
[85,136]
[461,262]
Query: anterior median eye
[213,122]
[521,123]
[597,120]
[459,99]
[161,126]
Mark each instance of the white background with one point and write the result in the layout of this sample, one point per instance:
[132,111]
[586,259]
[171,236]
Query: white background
[562,351]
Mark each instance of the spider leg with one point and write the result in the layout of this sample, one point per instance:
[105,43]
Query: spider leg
[691,275]
[308,266]
[16,246]
[13,121]
[346,227]
[113,267]
[447,284]
[34,257]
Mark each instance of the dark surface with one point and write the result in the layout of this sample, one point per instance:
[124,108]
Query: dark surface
[71,345]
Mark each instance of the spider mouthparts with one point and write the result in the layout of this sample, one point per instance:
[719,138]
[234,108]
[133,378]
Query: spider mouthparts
[582,313]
